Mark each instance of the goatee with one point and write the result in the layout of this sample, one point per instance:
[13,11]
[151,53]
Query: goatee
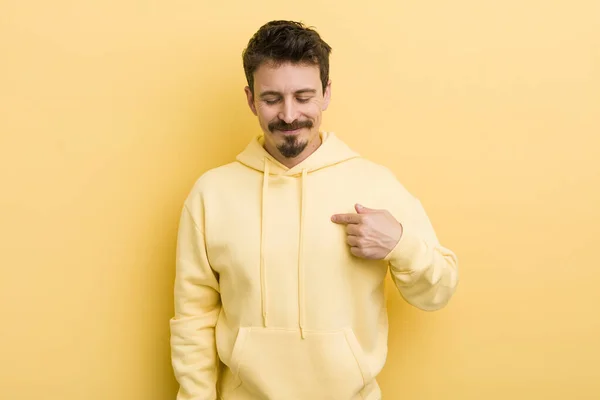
[292,147]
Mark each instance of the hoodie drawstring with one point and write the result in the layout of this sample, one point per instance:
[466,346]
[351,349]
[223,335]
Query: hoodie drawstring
[301,256]
[263,280]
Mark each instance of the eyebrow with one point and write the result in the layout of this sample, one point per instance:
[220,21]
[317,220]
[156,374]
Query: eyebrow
[275,93]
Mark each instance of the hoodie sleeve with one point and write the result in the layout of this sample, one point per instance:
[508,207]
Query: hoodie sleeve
[424,271]
[197,306]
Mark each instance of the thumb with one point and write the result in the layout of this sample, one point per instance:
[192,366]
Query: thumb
[363,210]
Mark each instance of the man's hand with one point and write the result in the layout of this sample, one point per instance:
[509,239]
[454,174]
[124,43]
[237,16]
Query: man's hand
[372,234]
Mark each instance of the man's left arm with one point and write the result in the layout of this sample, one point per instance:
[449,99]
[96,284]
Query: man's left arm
[424,271]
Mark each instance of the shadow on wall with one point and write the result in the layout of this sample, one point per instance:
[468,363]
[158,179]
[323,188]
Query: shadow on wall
[406,330]
[204,135]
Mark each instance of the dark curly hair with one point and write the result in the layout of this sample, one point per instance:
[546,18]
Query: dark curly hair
[279,42]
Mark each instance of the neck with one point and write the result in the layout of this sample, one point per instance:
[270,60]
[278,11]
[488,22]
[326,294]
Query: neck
[311,147]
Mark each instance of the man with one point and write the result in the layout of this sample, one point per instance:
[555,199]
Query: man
[282,254]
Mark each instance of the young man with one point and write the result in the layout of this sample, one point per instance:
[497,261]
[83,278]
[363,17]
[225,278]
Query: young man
[282,254]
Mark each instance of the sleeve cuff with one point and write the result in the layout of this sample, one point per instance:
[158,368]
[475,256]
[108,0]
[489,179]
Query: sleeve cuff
[405,252]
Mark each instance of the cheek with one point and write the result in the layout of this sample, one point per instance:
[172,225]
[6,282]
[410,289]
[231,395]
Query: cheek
[313,110]
[266,114]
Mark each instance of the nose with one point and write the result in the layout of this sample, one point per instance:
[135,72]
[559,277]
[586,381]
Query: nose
[288,112]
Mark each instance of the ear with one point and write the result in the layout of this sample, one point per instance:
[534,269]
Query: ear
[326,96]
[250,99]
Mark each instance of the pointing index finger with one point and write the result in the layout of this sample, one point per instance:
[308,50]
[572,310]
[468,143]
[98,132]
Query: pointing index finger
[346,218]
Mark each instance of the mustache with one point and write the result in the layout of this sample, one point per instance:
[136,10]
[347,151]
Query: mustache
[283,126]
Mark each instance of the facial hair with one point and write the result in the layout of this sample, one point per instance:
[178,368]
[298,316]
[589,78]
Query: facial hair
[292,146]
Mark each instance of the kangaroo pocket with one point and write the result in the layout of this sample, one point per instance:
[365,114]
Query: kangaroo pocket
[278,364]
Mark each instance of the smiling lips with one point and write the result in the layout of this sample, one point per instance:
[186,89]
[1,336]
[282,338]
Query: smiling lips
[289,132]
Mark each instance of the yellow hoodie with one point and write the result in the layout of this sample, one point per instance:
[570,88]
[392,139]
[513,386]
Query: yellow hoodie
[269,302]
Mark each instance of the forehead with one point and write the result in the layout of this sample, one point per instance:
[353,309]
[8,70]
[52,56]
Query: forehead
[286,77]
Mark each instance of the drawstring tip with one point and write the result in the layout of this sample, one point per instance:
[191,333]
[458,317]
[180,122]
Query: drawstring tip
[302,334]
[265,320]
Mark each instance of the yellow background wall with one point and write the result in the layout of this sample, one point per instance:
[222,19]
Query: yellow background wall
[488,111]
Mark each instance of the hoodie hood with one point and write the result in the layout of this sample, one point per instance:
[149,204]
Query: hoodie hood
[331,152]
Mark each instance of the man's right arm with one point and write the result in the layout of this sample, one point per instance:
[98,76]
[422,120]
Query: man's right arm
[197,306]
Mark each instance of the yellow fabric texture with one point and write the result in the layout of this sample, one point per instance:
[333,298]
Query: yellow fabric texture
[269,301]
